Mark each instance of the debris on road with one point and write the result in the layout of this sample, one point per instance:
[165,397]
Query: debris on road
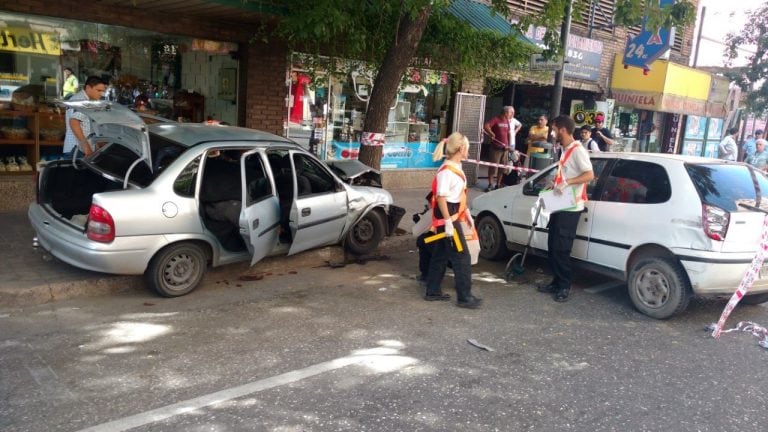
[479,345]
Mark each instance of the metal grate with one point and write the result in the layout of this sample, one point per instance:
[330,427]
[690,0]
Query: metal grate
[468,119]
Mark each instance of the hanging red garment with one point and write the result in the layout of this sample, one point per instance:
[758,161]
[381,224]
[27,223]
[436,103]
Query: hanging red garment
[297,91]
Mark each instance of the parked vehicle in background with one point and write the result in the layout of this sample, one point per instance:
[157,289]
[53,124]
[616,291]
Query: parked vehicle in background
[671,226]
[167,199]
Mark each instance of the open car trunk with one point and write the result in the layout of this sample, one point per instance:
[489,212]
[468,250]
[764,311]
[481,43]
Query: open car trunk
[67,191]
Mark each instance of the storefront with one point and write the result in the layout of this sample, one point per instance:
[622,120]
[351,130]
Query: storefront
[651,108]
[326,112]
[177,77]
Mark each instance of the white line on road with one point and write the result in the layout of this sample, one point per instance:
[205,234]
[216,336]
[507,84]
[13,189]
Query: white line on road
[604,287]
[223,396]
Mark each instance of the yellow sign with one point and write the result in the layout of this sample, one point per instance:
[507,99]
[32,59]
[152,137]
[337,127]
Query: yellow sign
[29,41]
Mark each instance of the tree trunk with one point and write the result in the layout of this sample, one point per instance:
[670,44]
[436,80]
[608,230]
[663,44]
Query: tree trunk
[387,81]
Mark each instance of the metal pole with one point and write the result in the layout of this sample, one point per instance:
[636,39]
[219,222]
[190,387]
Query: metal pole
[698,37]
[591,18]
[557,93]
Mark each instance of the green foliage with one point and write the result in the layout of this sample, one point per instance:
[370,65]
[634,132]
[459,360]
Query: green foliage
[631,12]
[752,77]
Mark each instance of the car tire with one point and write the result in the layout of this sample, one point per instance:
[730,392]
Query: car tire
[177,269]
[366,234]
[658,287]
[755,299]
[493,241]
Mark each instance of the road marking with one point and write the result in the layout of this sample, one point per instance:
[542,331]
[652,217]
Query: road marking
[168,411]
[604,287]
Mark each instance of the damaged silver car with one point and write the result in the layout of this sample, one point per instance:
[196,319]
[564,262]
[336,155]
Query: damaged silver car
[168,199]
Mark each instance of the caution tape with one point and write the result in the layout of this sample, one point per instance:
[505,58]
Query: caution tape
[756,330]
[509,167]
[372,139]
[746,282]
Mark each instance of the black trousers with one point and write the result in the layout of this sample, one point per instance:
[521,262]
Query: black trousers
[443,252]
[562,231]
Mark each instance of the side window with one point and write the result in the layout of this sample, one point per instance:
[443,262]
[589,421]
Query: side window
[256,178]
[637,182]
[598,165]
[311,177]
[184,185]
[542,182]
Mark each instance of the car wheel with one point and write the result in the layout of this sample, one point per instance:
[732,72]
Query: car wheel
[366,234]
[493,241]
[177,269]
[658,287]
[755,299]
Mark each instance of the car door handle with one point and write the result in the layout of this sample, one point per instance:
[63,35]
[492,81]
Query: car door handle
[255,224]
[306,211]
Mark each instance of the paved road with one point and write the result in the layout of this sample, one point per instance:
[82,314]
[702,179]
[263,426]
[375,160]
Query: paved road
[355,348]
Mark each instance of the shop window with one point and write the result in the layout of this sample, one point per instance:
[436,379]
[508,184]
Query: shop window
[637,182]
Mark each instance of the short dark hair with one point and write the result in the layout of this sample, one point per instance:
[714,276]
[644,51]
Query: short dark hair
[69,69]
[586,128]
[93,80]
[564,121]
[733,130]
[759,132]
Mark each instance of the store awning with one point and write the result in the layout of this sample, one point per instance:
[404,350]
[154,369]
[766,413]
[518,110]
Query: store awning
[667,87]
[482,17]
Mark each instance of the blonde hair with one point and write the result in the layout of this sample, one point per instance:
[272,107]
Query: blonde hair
[450,146]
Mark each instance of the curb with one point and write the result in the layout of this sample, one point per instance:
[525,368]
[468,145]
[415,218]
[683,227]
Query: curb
[106,284]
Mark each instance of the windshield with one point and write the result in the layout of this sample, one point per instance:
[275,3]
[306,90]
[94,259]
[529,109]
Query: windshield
[727,185]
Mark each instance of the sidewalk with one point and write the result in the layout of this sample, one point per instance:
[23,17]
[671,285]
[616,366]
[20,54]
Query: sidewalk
[28,278]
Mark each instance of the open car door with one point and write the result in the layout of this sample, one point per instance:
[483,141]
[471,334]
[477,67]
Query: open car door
[319,210]
[261,207]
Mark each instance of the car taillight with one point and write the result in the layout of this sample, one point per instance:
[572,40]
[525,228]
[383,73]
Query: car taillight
[715,221]
[101,227]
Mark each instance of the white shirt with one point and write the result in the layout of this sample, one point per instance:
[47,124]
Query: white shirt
[449,184]
[727,148]
[513,125]
[577,164]
[70,140]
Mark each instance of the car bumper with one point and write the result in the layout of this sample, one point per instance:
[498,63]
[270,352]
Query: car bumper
[125,255]
[712,274]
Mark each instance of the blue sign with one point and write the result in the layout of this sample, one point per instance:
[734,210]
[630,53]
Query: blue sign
[394,154]
[647,46]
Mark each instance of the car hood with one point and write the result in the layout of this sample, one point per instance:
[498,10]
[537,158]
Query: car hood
[354,172]
[116,124]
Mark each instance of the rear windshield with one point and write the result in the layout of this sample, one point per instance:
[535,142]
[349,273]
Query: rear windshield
[115,160]
[727,185]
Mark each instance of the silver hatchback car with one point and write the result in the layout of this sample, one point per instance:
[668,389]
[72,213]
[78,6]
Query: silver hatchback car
[167,199]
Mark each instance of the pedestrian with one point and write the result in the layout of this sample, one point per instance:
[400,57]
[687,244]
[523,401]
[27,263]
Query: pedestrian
[574,171]
[449,209]
[502,130]
[759,159]
[587,141]
[70,85]
[538,133]
[727,149]
[601,134]
[645,129]
[78,127]
[750,144]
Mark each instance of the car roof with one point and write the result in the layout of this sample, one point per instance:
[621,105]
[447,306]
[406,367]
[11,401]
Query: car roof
[657,156]
[191,134]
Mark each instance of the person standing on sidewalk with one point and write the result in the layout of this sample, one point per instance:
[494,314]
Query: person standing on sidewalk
[574,171]
[727,149]
[78,126]
[449,207]
[502,130]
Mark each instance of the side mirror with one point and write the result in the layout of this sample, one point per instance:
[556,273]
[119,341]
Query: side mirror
[528,188]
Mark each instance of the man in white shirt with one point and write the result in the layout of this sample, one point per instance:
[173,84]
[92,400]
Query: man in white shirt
[727,149]
[78,127]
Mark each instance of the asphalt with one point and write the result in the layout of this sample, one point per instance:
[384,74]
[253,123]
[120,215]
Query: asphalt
[29,276]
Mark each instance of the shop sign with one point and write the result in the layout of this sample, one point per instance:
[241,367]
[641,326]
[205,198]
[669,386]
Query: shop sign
[14,77]
[641,100]
[29,41]
[684,105]
[582,55]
